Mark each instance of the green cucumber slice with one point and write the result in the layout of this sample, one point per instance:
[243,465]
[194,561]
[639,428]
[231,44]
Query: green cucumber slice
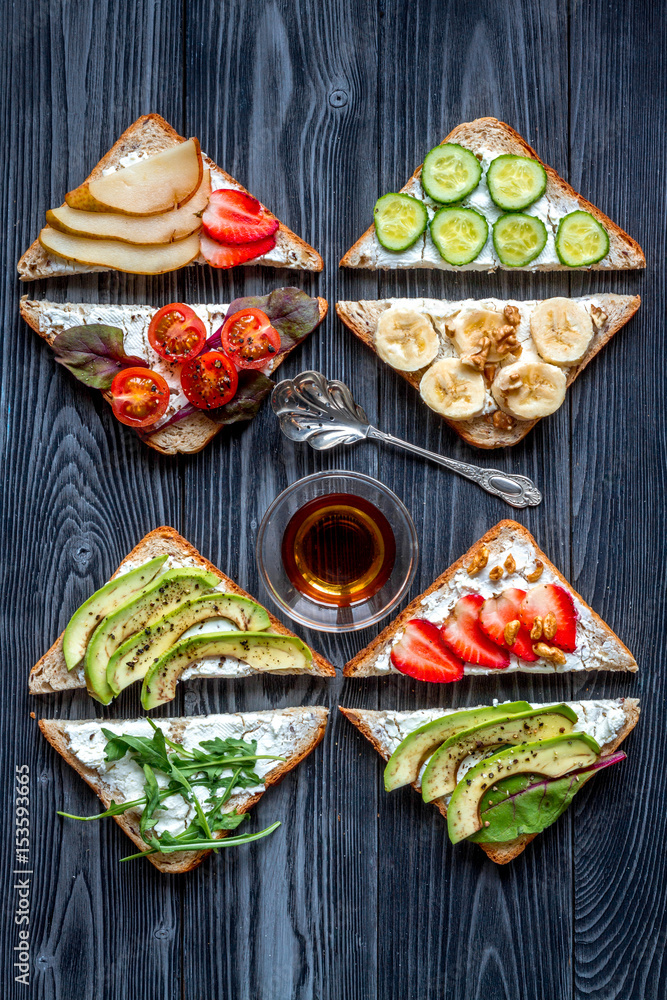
[581,240]
[515,182]
[519,238]
[450,172]
[400,220]
[459,234]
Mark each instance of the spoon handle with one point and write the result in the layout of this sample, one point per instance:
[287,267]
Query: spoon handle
[518,491]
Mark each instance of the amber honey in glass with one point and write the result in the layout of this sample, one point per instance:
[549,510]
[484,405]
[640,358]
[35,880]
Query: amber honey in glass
[338,549]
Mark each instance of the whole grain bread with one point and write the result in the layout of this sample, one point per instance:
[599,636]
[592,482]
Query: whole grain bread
[152,134]
[606,651]
[367,722]
[362,319]
[624,252]
[313,720]
[50,673]
[184,437]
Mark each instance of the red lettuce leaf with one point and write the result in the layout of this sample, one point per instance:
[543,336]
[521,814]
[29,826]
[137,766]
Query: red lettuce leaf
[293,314]
[253,387]
[94,354]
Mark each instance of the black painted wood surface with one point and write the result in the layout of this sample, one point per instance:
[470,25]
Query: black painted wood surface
[318,107]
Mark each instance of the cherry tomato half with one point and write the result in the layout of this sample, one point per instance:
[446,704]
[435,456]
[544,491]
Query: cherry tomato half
[176,332]
[209,380]
[140,396]
[249,339]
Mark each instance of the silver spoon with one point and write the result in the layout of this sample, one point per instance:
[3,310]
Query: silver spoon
[311,408]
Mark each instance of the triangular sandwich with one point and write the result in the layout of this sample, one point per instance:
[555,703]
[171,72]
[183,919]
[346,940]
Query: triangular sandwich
[168,614]
[462,355]
[501,607]
[288,733]
[477,227]
[148,136]
[538,782]
[182,429]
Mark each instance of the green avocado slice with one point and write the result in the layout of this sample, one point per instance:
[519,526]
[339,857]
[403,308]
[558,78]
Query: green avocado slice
[134,657]
[405,763]
[261,650]
[553,758]
[153,602]
[439,778]
[103,602]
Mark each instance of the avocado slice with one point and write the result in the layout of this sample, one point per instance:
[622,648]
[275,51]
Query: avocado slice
[439,778]
[153,602]
[405,763]
[103,602]
[133,658]
[552,758]
[261,650]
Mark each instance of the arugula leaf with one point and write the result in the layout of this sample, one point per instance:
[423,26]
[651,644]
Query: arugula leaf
[529,803]
[94,354]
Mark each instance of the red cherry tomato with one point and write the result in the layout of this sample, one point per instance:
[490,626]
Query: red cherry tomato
[140,396]
[249,339]
[176,332]
[209,380]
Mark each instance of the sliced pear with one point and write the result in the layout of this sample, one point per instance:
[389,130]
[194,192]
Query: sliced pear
[263,651]
[135,259]
[155,184]
[143,229]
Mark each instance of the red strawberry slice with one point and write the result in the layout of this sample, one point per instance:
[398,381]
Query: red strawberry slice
[237,217]
[219,255]
[549,598]
[463,635]
[498,612]
[422,654]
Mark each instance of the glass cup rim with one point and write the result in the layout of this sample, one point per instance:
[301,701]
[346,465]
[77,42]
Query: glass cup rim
[324,476]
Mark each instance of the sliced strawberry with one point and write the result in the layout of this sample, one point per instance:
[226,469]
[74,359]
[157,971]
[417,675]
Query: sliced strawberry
[550,598]
[236,217]
[422,654]
[219,255]
[498,612]
[463,635]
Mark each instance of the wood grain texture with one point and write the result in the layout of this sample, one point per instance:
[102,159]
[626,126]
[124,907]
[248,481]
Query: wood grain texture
[318,108]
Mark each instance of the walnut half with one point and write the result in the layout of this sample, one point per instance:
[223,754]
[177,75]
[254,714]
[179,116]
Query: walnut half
[478,562]
[550,653]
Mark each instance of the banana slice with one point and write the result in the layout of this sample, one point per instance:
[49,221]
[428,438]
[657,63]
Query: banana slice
[471,329]
[529,389]
[561,330]
[405,339]
[453,390]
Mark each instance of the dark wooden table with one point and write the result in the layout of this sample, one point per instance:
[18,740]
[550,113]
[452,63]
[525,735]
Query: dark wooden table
[318,107]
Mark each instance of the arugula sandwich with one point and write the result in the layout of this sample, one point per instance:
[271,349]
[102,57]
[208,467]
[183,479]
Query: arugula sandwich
[177,787]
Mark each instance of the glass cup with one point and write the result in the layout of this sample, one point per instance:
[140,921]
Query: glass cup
[316,614]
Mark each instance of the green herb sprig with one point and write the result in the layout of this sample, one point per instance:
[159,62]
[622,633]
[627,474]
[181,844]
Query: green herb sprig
[217,765]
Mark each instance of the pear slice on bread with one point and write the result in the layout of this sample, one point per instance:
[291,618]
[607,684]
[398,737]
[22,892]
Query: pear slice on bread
[386,729]
[291,733]
[506,558]
[488,138]
[51,674]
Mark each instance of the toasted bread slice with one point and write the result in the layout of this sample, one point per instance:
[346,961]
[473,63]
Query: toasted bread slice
[597,647]
[489,137]
[289,732]
[151,134]
[385,730]
[611,312]
[51,674]
[186,436]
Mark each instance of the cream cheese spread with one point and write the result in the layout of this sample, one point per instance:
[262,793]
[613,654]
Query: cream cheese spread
[134,321]
[277,734]
[441,310]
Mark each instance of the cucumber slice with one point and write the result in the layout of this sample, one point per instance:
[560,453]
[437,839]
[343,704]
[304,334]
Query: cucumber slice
[519,238]
[450,172]
[400,220]
[581,240]
[515,182]
[459,234]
